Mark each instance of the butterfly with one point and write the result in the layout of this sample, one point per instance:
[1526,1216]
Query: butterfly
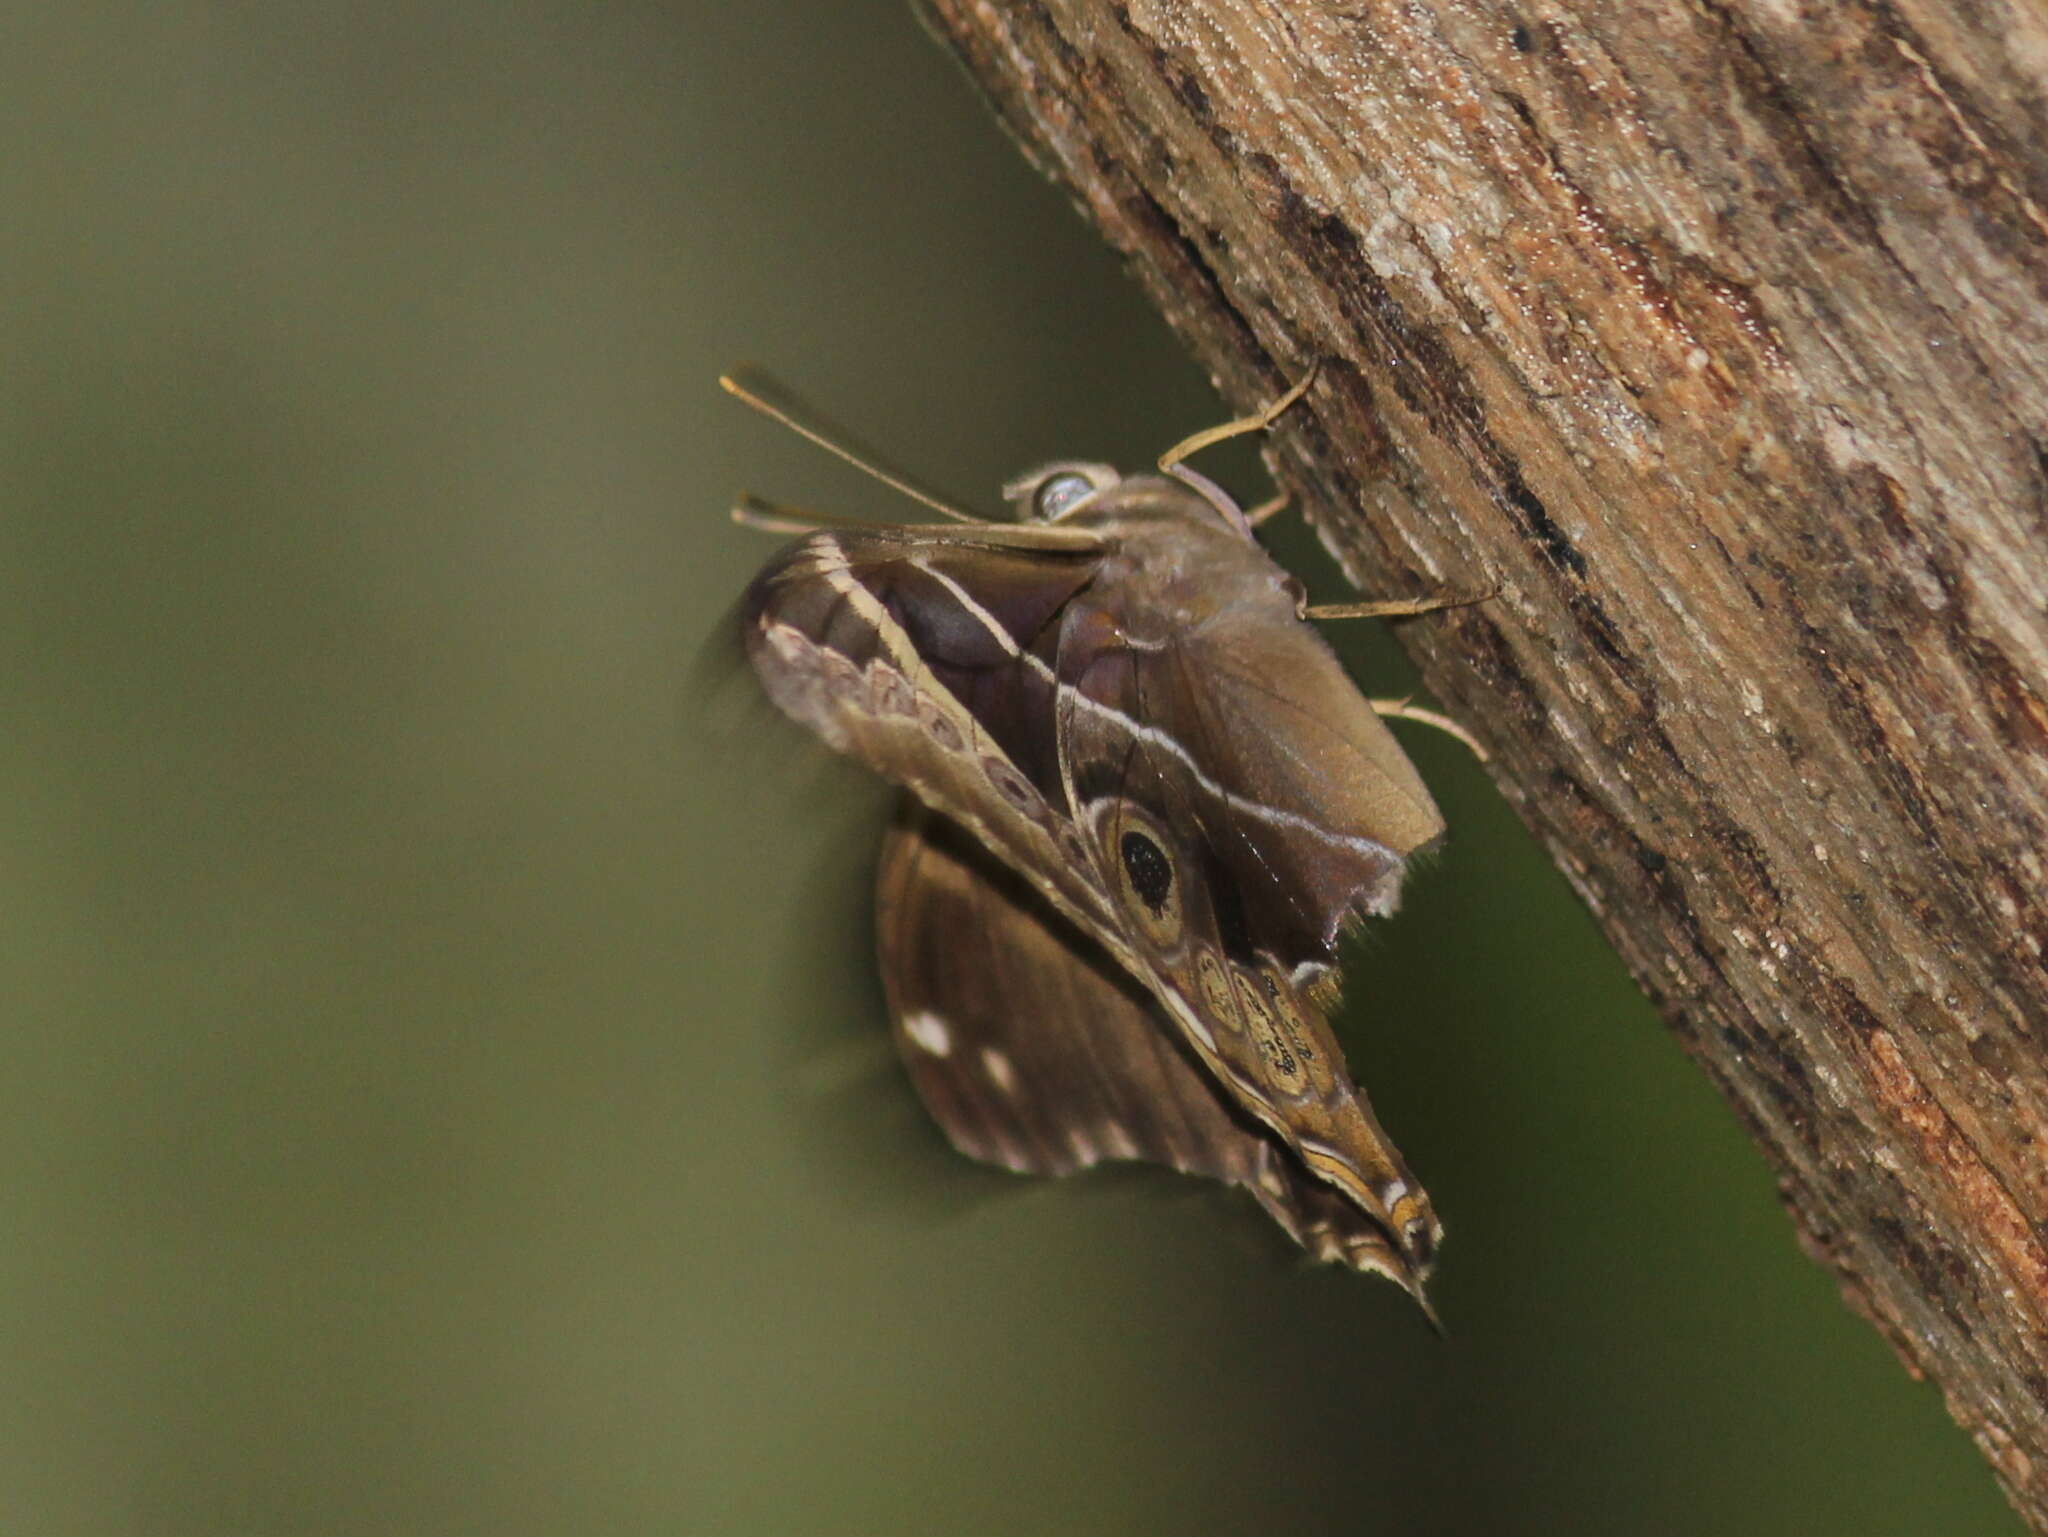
[1142,801]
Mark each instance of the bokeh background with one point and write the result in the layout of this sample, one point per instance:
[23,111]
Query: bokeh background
[444,1087]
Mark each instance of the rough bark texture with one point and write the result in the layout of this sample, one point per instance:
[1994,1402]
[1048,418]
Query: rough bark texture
[1715,336]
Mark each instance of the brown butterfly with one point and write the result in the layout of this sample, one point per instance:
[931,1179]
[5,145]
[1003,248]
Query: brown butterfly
[1144,800]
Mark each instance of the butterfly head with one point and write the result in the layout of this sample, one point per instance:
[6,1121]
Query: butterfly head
[1059,492]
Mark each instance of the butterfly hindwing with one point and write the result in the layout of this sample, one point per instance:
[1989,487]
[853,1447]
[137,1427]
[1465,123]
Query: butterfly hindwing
[1033,1050]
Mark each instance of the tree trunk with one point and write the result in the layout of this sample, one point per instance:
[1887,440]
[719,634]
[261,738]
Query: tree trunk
[1714,336]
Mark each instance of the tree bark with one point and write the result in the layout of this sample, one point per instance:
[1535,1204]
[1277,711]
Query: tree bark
[1714,337]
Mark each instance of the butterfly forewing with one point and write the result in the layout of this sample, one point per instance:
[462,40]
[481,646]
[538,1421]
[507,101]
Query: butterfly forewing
[1189,640]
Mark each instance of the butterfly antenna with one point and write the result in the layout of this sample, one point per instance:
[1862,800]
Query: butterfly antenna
[777,404]
[765,517]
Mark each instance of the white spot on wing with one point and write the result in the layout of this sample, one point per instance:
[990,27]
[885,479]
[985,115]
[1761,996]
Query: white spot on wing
[1002,1151]
[998,1068]
[928,1032]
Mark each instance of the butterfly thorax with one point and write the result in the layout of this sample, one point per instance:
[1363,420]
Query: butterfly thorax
[1178,567]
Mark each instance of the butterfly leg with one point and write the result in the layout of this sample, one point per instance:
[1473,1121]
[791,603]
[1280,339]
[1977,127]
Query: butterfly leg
[1258,421]
[1395,608]
[1401,709]
[1272,507]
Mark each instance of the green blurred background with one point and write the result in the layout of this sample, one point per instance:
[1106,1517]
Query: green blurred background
[444,1088]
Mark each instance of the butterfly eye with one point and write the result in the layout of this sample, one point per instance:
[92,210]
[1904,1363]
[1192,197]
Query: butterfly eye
[1147,876]
[1058,495]
[1149,871]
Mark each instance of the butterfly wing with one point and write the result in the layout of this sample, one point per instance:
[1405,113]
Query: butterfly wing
[917,652]
[1242,802]
[1033,1050]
